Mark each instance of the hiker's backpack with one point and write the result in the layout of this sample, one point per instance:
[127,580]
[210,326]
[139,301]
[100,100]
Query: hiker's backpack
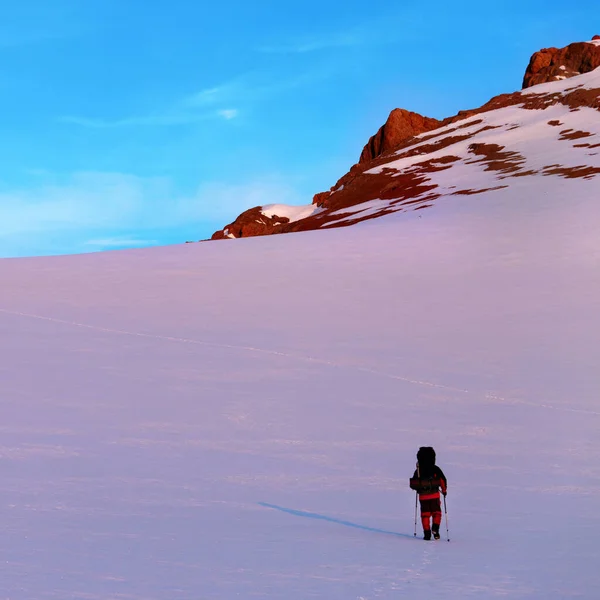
[425,483]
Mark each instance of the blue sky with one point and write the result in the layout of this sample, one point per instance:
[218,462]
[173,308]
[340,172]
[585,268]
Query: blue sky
[138,122]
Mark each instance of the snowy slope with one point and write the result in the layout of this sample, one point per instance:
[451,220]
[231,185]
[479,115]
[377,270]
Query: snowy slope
[206,422]
[293,213]
[517,149]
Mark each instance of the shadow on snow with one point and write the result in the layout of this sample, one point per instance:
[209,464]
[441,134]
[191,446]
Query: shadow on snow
[311,515]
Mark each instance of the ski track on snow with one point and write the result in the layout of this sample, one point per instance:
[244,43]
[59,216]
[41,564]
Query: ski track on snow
[310,359]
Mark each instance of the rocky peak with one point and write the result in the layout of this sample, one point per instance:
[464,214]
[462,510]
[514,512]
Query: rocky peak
[399,171]
[400,126]
[553,64]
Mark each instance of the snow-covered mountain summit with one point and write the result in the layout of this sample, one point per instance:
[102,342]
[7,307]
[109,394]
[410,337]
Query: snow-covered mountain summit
[517,145]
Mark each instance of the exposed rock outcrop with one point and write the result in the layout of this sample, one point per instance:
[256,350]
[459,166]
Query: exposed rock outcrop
[250,223]
[400,126]
[553,64]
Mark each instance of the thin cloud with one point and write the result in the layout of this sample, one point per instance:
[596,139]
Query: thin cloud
[303,46]
[388,28]
[195,108]
[228,113]
[207,104]
[83,200]
[210,96]
[96,210]
[160,120]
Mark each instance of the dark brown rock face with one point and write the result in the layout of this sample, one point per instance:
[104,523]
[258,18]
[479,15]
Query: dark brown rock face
[400,126]
[551,64]
[251,222]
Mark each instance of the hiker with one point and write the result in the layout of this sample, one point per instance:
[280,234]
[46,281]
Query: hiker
[427,481]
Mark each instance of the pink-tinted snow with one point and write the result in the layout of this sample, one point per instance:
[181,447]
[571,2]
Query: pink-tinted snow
[240,419]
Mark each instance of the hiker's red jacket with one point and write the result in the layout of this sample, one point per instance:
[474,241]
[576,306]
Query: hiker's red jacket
[428,485]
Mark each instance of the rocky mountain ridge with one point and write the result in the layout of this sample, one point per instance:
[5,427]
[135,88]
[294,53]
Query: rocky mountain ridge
[400,167]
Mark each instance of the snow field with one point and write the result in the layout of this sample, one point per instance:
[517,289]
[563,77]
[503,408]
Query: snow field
[184,423]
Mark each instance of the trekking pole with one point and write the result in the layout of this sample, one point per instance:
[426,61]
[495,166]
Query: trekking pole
[416,496]
[446,514]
